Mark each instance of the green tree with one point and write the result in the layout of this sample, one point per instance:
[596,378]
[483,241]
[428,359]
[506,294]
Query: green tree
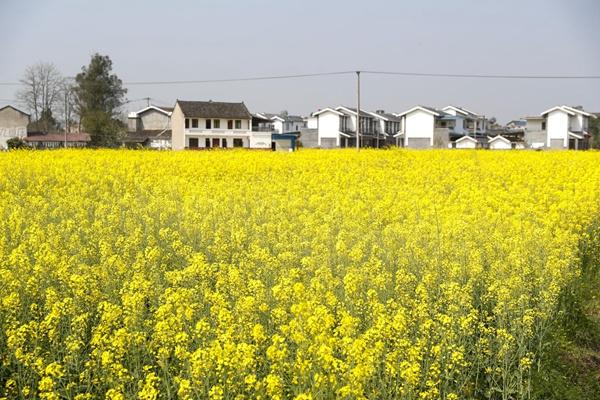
[99,96]
[16,143]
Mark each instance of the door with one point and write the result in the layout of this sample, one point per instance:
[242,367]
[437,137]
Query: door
[216,142]
[193,143]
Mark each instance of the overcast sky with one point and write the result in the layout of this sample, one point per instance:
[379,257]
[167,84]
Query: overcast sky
[192,40]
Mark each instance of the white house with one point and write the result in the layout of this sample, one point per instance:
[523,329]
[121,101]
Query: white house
[465,121]
[212,124]
[13,124]
[149,127]
[499,143]
[337,127]
[466,142]
[420,128]
[389,125]
[567,127]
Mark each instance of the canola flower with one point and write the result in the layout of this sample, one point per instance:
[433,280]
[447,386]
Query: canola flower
[318,274]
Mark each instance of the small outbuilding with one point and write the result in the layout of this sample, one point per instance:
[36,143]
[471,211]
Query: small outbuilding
[499,143]
[466,142]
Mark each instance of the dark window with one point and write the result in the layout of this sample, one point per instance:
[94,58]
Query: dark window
[208,124]
[223,142]
[193,143]
[217,124]
[543,125]
[194,122]
[238,124]
[230,124]
[238,143]
[207,142]
[187,123]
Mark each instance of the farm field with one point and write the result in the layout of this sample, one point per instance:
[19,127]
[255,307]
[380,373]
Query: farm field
[317,274]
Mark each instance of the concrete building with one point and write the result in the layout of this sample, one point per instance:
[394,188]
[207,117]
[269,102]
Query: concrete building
[13,124]
[212,124]
[466,122]
[336,127]
[389,125]
[560,127]
[466,142]
[149,127]
[428,127]
[283,123]
[499,143]
[424,127]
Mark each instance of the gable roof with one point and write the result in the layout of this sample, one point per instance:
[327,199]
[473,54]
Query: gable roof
[466,137]
[163,110]
[352,111]
[429,110]
[214,109]
[498,137]
[385,116]
[569,110]
[14,108]
[326,109]
[461,110]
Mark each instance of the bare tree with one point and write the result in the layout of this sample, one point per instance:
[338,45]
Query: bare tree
[41,92]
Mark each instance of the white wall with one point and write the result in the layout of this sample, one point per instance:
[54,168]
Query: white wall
[312,123]
[500,145]
[328,126]
[466,144]
[576,123]
[259,140]
[557,126]
[419,124]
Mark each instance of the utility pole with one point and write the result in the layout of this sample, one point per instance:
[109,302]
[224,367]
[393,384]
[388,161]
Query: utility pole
[357,110]
[148,100]
[66,116]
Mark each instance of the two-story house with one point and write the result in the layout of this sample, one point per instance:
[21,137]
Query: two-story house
[560,127]
[214,124]
[336,127]
[428,127]
[466,122]
[13,124]
[424,127]
[283,122]
[389,125]
[149,127]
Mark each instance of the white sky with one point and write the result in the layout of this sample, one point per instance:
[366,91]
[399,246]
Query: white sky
[191,40]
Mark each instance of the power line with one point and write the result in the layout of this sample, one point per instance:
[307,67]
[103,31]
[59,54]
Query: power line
[483,76]
[373,72]
[256,78]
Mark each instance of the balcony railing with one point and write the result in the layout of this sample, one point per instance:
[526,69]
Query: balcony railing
[202,131]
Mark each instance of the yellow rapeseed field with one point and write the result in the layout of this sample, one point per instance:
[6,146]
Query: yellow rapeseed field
[310,275]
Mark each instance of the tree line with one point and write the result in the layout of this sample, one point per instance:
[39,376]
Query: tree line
[92,100]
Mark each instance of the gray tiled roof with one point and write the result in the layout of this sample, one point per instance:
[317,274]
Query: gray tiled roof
[142,136]
[214,109]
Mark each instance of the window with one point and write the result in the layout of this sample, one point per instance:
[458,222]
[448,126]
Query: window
[193,143]
[208,124]
[230,124]
[194,122]
[223,142]
[543,125]
[238,143]
[207,143]
[217,123]
[238,124]
[187,123]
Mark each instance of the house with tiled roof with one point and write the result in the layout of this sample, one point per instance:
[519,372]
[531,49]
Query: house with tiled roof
[214,124]
[149,127]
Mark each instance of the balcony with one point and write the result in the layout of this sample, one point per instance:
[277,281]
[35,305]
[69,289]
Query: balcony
[216,132]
